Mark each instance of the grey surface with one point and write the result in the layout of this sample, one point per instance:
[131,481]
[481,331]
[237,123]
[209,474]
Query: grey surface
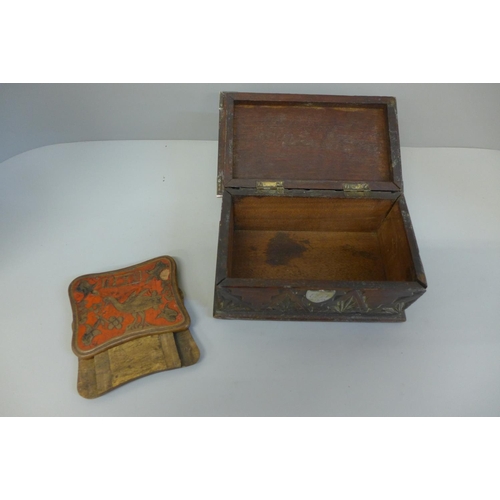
[73,209]
[34,115]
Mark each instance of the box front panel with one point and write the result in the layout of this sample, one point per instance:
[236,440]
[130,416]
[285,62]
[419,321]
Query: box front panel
[336,303]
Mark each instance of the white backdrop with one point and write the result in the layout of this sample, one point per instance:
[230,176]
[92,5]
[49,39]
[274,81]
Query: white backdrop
[72,209]
[34,115]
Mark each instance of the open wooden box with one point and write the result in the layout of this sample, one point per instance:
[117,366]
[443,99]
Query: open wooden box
[314,223]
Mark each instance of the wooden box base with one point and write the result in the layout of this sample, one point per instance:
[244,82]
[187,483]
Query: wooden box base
[316,256]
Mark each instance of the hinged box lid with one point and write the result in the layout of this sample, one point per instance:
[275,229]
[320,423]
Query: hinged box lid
[274,142]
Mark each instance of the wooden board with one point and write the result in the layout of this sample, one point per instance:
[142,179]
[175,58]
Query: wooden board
[315,255]
[320,142]
[134,359]
[303,213]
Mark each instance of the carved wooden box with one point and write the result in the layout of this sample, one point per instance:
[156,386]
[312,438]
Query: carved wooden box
[314,223]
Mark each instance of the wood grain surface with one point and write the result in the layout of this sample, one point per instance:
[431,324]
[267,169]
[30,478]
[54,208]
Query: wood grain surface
[134,359]
[306,141]
[322,142]
[311,255]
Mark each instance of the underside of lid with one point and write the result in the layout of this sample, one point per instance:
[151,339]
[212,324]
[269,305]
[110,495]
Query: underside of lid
[309,142]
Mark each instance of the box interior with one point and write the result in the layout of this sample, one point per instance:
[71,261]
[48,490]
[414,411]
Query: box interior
[299,238]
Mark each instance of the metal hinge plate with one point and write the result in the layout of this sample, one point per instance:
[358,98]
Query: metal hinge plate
[271,187]
[356,190]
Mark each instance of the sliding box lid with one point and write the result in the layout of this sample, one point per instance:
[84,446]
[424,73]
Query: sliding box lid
[309,142]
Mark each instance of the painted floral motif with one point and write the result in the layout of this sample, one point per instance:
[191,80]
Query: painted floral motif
[115,322]
[114,304]
[228,301]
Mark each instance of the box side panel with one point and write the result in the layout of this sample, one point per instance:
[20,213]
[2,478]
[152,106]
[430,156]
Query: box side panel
[412,241]
[225,244]
[225,159]
[395,248]
[392,123]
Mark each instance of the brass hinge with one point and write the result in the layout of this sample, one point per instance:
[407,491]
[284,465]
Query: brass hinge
[356,190]
[271,187]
